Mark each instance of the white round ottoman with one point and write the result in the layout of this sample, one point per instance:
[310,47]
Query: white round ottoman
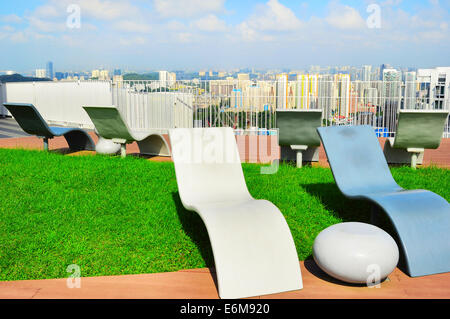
[356,252]
[106,147]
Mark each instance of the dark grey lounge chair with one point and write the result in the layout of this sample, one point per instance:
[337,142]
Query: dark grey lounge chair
[110,125]
[421,218]
[29,119]
[298,136]
[416,131]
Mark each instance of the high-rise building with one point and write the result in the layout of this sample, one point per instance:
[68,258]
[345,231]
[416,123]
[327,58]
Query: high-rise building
[59,76]
[434,88]
[307,89]
[117,72]
[49,70]
[95,74]
[222,87]
[282,91]
[167,79]
[410,91]
[104,75]
[342,95]
[382,68]
[325,93]
[40,73]
[370,99]
[243,77]
[392,97]
[366,73]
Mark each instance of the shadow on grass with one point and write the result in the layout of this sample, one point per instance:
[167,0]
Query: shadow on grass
[335,202]
[194,227]
[350,210]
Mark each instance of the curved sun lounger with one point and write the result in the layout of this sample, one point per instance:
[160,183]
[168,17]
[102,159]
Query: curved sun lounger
[253,248]
[416,131]
[31,121]
[420,217]
[110,125]
[298,134]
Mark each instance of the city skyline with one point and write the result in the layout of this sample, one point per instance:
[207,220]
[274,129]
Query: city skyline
[222,34]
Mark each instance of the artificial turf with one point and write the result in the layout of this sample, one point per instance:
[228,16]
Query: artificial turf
[114,216]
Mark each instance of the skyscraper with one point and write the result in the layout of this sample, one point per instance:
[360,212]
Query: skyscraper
[325,93]
[282,91]
[40,73]
[410,90]
[306,91]
[342,95]
[49,70]
[392,97]
[382,68]
[366,73]
[167,79]
[434,88]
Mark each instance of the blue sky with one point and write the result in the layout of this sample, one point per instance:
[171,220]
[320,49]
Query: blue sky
[223,34]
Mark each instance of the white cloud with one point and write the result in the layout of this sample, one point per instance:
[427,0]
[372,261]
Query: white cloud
[273,16]
[174,25]
[98,9]
[132,26]
[138,40]
[247,33]
[434,2]
[18,37]
[8,28]
[431,36]
[391,2]
[46,26]
[11,18]
[185,37]
[108,10]
[210,23]
[187,9]
[47,11]
[345,17]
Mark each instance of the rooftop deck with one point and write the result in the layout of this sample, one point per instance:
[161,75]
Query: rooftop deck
[200,284]
[12,136]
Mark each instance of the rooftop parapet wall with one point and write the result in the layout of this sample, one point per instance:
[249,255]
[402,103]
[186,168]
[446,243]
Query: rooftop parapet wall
[252,149]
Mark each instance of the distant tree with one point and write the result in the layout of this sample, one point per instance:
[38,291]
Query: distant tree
[20,78]
[142,77]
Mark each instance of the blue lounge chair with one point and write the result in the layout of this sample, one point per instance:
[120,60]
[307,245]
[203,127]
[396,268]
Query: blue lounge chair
[421,218]
[29,119]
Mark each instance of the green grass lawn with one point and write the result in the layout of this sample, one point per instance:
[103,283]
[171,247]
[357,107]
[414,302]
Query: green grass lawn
[114,216]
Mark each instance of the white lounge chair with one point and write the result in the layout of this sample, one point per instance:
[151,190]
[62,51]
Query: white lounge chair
[253,248]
